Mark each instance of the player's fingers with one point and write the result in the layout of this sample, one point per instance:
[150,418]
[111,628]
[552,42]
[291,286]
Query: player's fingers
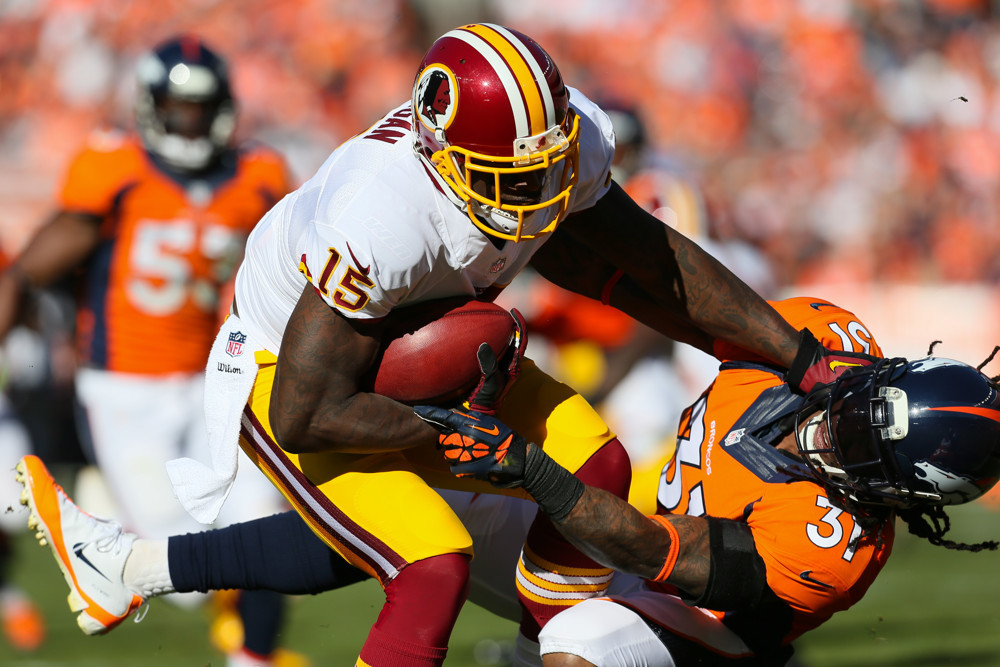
[433,415]
[487,359]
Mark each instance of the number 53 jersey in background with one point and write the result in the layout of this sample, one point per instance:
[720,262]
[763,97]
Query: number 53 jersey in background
[725,465]
[149,303]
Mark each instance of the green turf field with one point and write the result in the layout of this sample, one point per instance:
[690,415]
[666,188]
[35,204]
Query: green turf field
[930,607]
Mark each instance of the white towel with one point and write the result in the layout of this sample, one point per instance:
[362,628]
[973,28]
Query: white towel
[229,377]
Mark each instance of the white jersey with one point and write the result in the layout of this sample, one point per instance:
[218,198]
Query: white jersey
[376,228]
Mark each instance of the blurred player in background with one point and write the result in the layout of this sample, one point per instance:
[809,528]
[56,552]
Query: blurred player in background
[153,223]
[777,510]
[22,621]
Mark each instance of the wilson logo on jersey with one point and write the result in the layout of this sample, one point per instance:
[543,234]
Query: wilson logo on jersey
[234,347]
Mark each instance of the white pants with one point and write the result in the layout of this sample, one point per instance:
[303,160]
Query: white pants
[609,634]
[138,423]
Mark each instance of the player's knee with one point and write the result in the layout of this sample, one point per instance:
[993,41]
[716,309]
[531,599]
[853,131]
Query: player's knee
[423,601]
[609,468]
[444,579]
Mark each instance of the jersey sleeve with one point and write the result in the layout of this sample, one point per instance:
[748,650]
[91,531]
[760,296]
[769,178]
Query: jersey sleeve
[597,150]
[835,327]
[345,274]
[808,548]
[97,174]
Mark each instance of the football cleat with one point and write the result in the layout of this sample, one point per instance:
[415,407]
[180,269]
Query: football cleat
[90,552]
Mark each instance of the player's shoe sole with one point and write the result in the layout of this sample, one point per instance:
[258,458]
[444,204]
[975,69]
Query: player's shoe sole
[90,552]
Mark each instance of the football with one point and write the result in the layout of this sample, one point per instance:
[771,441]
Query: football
[429,357]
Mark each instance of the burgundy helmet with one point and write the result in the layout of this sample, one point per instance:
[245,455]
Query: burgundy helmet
[492,116]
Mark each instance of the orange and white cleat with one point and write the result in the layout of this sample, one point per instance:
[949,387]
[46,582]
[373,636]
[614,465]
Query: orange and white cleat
[91,552]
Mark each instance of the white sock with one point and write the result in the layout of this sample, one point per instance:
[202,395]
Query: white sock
[147,571]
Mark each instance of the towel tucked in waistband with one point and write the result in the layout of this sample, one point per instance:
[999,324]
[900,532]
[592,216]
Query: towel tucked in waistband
[229,377]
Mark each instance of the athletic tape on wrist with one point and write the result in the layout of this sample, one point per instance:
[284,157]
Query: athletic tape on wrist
[675,547]
[555,489]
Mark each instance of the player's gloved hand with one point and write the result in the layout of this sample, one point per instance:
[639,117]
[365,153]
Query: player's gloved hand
[498,376]
[481,446]
[816,365]
[477,444]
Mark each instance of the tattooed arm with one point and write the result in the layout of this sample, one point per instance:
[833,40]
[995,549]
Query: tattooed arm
[669,282]
[598,523]
[617,535]
[317,402]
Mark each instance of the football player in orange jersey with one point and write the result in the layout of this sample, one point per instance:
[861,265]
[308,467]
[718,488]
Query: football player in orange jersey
[154,224]
[775,512]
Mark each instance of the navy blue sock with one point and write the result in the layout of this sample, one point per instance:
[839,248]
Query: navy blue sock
[278,553]
[262,613]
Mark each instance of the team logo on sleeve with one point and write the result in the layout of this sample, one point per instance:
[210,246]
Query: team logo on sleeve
[234,347]
[434,97]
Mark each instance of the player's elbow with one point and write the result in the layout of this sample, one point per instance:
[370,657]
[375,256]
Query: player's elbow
[291,430]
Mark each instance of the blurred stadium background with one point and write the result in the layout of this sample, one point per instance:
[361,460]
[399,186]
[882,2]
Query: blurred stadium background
[854,144]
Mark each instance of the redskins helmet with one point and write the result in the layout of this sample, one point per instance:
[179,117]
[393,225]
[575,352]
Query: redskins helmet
[185,111]
[904,433]
[492,117]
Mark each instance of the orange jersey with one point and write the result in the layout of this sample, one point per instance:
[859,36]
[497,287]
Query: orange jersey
[726,466]
[149,301]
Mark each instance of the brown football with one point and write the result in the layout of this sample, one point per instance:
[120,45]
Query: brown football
[430,353]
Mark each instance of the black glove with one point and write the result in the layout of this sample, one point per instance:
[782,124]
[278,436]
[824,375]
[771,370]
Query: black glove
[477,444]
[481,446]
[816,365]
[495,382]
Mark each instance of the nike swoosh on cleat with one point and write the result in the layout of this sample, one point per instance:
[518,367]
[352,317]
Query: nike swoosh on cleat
[493,431]
[816,305]
[806,575]
[78,550]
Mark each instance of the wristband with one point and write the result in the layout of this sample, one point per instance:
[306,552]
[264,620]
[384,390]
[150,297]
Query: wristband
[675,548]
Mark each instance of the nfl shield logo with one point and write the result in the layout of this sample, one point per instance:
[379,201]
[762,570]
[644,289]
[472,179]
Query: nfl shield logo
[498,265]
[234,347]
[734,437]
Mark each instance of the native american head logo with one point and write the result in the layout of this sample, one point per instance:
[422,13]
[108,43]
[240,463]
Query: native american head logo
[434,96]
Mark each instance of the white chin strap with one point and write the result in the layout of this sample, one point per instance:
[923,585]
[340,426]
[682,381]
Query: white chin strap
[184,153]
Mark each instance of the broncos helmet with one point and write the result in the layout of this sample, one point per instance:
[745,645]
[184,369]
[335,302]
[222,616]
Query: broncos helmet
[185,112]
[904,433]
[492,118]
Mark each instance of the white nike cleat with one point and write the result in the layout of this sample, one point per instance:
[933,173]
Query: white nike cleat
[90,552]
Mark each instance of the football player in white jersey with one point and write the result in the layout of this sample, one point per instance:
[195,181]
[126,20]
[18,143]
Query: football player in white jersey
[492,164]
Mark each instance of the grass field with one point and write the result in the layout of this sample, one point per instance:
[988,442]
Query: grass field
[931,606]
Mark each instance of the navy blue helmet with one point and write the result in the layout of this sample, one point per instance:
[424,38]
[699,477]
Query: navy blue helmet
[904,433]
[185,112]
